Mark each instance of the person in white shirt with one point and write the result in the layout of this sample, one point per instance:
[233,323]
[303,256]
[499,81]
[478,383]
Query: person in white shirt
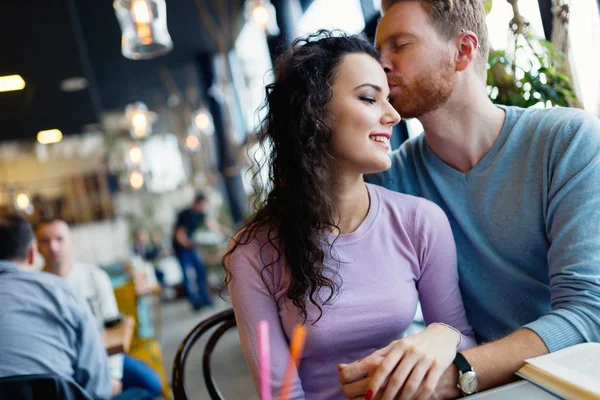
[55,244]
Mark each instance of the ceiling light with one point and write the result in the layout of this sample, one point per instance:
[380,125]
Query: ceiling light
[136,180]
[139,120]
[11,83]
[135,155]
[203,121]
[74,84]
[144,27]
[22,201]
[140,12]
[49,136]
[192,142]
[262,13]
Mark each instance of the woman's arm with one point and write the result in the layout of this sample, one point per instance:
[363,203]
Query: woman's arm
[438,288]
[253,302]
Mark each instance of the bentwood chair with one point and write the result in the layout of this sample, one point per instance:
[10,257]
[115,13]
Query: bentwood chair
[225,320]
[41,386]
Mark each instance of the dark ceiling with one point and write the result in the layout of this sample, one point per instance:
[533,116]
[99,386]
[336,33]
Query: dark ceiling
[40,43]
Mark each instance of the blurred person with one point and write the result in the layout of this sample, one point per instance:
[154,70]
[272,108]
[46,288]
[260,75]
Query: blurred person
[187,249]
[55,244]
[149,249]
[46,327]
[348,260]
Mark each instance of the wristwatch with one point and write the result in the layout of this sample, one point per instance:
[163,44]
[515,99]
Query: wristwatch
[468,383]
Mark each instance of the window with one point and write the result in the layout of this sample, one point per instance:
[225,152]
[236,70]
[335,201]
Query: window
[332,14]
[584,41]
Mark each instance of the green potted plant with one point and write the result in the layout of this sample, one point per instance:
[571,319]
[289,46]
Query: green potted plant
[530,71]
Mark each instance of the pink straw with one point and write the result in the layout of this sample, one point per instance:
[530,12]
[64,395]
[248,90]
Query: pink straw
[264,354]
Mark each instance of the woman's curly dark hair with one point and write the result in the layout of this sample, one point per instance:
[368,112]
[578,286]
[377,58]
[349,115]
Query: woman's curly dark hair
[298,208]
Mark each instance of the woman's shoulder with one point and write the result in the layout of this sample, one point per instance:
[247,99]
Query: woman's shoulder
[255,245]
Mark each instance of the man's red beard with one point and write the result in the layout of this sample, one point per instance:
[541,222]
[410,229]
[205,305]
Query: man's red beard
[427,92]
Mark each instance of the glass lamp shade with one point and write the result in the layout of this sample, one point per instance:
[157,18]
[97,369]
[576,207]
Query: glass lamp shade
[139,120]
[144,27]
[262,13]
[203,122]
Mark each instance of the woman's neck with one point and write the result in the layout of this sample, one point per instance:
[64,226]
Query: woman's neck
[350,203]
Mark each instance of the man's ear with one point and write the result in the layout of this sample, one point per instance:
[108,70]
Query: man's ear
[31,254]
[467,44]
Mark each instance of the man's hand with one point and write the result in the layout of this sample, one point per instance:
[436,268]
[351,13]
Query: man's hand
[409,367]
[447,387]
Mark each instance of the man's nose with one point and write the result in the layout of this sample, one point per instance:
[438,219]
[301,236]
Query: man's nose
[386,64]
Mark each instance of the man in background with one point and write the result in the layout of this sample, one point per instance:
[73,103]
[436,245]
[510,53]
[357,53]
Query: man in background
[46,327]
[186,248]
[91,282]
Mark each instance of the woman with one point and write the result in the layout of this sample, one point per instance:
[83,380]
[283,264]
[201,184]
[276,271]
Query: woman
[347,259]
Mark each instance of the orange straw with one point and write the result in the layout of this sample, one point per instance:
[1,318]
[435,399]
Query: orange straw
[296,347]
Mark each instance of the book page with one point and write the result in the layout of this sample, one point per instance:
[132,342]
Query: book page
[578,364]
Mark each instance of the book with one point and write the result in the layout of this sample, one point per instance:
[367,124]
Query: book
[572,373]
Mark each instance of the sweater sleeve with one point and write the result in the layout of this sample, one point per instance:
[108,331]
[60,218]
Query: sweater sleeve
[573,230]
[252,302]
[439,292]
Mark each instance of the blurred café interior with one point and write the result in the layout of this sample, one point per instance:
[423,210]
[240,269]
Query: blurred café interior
[115,115]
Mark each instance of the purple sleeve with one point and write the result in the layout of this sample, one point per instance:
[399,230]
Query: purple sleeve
[252,302]
[439,292]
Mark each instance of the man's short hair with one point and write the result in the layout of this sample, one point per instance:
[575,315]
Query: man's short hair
[450,16]
[16,237]
[48,221]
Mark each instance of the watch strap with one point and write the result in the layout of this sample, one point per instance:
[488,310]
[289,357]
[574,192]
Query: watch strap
[462,364]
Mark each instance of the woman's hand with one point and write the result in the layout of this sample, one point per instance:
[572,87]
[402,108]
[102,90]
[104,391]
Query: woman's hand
[413,366]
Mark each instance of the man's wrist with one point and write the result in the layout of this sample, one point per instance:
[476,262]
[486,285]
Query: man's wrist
[447,386]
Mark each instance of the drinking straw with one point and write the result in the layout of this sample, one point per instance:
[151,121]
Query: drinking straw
[264,361]
[296,347]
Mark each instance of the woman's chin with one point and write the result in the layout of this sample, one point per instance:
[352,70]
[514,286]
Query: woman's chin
[380,166]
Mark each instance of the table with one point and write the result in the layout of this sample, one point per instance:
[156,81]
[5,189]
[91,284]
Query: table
[519,390]
[118,338]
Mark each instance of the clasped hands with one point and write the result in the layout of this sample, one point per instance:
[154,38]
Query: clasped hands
[406,369]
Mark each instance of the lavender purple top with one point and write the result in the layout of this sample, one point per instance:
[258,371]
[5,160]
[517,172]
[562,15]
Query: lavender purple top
[402,252]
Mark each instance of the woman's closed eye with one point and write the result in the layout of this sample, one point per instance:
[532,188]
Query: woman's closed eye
[368,99]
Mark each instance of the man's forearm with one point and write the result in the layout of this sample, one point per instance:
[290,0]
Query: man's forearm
[496,363]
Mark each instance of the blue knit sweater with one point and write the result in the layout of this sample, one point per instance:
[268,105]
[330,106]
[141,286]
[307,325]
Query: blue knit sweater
[526,220]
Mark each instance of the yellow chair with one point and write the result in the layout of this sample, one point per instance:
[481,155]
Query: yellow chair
[145,349]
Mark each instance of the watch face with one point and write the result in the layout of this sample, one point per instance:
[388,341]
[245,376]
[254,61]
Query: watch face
[469,382]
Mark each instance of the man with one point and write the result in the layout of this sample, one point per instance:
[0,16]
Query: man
[91,282]
[186,249]
[520,188]
[45,328]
